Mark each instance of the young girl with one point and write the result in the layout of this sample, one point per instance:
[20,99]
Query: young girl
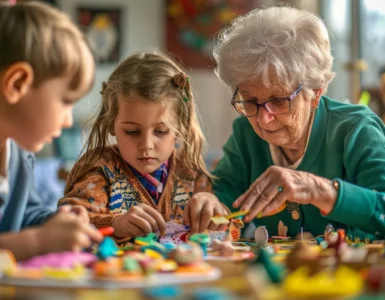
[41,77]
[155,172]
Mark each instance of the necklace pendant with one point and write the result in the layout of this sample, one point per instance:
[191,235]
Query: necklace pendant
[295,214]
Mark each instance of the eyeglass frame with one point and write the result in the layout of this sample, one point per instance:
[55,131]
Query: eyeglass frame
[254,101]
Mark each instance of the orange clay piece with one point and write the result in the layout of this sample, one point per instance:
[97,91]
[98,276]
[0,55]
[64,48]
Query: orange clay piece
[110,267]
[194,268]
[106,231]
[7,261]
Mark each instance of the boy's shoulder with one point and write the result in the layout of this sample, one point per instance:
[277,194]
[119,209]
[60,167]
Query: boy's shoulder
[18,155]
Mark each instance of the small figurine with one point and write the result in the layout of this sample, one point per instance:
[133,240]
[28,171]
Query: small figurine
[225,247]
[261,236]
[282,229]
[328,230]
[303,255]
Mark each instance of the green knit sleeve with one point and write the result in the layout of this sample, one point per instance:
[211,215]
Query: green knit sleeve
[231,173]
[361,198]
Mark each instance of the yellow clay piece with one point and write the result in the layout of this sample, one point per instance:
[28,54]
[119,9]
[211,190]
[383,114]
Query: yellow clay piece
[344,282]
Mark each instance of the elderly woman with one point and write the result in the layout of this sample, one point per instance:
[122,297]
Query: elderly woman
[294,148]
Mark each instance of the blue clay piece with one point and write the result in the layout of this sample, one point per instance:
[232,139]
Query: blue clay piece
[107,248]
[163,292]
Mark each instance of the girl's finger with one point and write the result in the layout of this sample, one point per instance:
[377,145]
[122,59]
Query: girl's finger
[141,222]
[154,215]
[134,230]
[186,215]
[206,213]
[195,218]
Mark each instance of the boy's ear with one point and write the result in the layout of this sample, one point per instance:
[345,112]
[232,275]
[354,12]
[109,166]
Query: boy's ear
[17,80]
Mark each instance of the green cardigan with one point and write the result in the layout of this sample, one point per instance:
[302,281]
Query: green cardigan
[347,143]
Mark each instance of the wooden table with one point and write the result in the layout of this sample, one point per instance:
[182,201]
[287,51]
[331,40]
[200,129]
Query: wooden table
[233,279]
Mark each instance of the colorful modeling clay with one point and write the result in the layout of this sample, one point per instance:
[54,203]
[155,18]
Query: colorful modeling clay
[343,283]
[107,248]
[106,231]
[202,240]
[7,261]
[146,240]
[60,260]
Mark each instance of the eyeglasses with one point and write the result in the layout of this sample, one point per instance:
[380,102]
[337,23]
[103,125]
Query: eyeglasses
[276,106]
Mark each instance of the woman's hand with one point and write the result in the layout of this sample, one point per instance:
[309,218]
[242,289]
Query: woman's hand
[140,220]
[199,210]
[278,184]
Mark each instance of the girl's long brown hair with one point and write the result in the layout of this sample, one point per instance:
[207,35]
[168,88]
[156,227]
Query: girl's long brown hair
[152,77]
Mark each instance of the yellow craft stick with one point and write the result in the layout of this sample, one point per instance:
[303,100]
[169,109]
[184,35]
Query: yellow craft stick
[237,214]
[225,219]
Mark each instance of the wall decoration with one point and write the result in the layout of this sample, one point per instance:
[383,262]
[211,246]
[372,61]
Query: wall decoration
[102,26]
[192,24]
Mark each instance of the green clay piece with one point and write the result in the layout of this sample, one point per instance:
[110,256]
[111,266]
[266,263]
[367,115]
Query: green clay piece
[127,248]
[272,269]
[200,238]
[146,240]
[130,264]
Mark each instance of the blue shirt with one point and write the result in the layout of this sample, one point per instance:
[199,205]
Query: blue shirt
[21,207]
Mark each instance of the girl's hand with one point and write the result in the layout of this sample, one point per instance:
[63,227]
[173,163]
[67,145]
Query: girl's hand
[278,184]
[66,231]
[140,220]
[200,208]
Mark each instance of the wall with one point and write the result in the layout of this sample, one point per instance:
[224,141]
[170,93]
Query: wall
[143,30]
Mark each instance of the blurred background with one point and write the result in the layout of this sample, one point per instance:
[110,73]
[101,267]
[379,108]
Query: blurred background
[186,28]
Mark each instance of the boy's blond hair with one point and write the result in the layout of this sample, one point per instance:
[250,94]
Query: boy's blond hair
[44,37]
[154,78]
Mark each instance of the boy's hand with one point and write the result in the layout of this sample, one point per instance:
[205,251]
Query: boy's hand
[78,210]
[140,220]
[200,208]
[66,231]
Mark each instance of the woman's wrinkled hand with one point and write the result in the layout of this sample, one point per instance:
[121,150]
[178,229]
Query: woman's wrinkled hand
[277,185]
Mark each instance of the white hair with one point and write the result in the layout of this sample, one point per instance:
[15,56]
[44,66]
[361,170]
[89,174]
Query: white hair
[292,43]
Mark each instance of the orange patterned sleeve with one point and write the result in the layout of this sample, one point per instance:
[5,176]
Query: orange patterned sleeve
[202,183]
[92,192]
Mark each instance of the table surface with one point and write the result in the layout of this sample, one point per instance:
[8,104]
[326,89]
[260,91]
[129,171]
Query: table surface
[233,279]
